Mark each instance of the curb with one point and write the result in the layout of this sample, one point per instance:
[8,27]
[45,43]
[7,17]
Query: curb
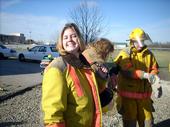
[17,92]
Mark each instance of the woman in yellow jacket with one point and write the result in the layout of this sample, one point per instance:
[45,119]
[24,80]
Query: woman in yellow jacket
[138,69]
[70,95]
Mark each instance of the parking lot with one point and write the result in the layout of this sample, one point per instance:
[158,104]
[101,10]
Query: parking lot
[16,76]
[14,67]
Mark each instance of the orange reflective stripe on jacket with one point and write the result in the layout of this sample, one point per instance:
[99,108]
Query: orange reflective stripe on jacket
[127,66]
[75,80]
[138,74]
[134,95]
[154,69]
[88,74]
[97,120]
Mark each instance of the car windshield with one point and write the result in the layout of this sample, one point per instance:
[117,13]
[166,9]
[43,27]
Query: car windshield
[53,49]
[34,49]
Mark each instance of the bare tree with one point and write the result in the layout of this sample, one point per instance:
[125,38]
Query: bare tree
[89,21]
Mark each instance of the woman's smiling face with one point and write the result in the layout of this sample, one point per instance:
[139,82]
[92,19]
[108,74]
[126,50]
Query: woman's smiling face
[70,41]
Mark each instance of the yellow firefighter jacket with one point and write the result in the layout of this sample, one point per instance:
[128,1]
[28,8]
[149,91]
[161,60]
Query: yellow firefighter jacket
[132,63]
[70,94]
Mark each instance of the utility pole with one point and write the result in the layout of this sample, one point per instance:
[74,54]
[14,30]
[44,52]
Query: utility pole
[30,41]
[30,35]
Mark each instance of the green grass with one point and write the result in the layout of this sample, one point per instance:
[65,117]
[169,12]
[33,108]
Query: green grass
[163,58]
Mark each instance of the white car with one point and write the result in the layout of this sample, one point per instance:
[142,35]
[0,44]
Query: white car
[6,52]
[38,53]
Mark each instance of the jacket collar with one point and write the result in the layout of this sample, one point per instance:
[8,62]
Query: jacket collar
[144,49]
[76,62]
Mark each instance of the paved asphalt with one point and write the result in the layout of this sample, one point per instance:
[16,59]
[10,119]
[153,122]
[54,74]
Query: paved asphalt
[16,76]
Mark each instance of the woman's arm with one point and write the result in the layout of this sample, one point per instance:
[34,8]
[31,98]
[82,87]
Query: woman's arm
[54,96]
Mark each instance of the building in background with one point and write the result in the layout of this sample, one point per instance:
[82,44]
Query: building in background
[120,45]
[13,38]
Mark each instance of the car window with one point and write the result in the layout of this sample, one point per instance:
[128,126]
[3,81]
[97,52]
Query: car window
[42,49]
[53,49]
[34,49]
[3,47]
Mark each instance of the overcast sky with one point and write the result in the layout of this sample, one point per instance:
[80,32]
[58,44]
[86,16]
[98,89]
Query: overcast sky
[43,19]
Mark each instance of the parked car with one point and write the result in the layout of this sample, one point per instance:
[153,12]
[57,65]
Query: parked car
[38,53]
[6,52]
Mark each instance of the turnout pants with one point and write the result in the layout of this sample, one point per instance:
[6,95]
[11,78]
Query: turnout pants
[136,111]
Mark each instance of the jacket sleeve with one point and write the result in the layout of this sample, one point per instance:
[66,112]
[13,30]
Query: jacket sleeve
[101,83]
[54,96]
[154,66]
[126,67]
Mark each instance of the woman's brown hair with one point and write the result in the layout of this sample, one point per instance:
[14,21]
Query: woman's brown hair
[73,26]
[103,47]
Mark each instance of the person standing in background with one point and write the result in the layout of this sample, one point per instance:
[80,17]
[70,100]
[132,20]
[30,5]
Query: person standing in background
[138,71]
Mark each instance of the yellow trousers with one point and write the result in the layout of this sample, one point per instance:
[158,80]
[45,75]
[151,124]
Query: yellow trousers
[139,110]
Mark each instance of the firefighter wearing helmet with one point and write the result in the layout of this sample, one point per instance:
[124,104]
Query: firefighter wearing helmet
[138,38]
[139,70]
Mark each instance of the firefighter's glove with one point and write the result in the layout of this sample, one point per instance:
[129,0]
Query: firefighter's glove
[158,92]
[114,70]
[100,69]
[151,77]
[112,82]
[157,88]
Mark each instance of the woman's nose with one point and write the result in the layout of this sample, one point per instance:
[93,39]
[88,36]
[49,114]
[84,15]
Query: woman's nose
[69,38]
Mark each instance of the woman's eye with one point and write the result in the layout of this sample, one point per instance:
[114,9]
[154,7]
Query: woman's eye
[65,37]
[74,35]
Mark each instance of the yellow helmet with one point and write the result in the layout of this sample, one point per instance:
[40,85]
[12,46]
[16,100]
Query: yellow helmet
[137,34]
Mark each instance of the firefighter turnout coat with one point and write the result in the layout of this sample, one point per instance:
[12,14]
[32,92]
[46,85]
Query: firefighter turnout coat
[70,94]
[132,64]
